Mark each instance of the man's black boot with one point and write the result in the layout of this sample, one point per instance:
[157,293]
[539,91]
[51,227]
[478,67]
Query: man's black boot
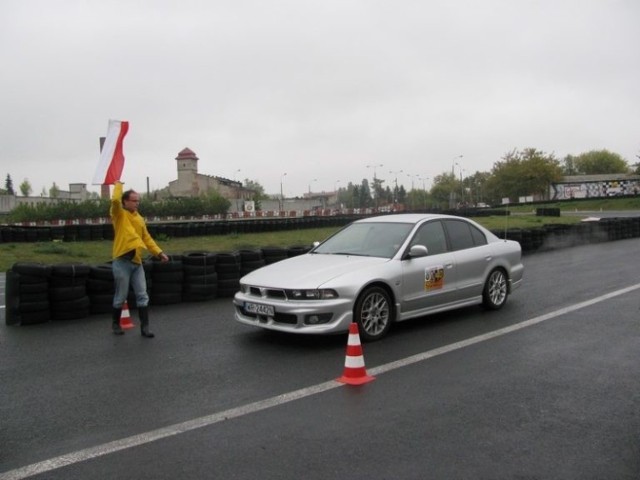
[115,324]
[143,313]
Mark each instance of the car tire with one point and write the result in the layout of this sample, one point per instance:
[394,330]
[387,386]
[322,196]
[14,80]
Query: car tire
[373,313]
[496,290]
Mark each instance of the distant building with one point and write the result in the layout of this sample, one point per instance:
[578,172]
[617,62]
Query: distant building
[595,186]
[190,183]
[77,193]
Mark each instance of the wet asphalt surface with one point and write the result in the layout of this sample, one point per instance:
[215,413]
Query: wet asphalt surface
[557,399]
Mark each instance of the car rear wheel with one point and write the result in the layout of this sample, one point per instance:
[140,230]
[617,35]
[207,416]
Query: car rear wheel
[495,292]
[373,314]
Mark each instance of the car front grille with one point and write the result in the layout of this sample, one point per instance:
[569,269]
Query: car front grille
[267,293]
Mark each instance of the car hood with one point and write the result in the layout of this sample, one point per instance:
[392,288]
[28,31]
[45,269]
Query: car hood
[310,270]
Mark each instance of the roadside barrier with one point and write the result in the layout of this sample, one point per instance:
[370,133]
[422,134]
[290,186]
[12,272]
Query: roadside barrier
[37,293]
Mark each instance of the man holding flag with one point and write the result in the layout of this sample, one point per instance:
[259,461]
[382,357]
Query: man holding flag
[131,238]
[131,234]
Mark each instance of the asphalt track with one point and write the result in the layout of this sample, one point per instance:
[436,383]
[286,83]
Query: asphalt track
[545,388]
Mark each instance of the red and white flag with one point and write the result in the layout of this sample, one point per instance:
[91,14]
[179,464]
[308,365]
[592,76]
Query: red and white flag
[112,157]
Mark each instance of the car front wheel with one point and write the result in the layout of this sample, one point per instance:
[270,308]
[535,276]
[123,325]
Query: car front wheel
[495,292]
[373,313]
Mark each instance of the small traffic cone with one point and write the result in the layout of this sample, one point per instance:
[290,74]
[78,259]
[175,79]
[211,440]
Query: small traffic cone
[354,370]
[125,318]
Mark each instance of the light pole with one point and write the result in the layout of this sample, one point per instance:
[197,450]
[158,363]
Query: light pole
[453,175]
[282,191]
[395,191]
[374,180]
[310,181]
[235,175]
[424,190]
[453,163]
[412,176]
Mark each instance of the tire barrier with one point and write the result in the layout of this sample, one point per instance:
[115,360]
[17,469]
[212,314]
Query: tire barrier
[91,232]
[200,276]
[273,254]
[100,288]
[228,267]
[250,260]
[165,287]
[68,291]
[27,294]
[37,293]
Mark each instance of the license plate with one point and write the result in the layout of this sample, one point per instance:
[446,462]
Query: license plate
[259,309]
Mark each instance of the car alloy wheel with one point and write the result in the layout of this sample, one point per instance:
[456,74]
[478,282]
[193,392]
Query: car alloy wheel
[373,314]
[495,291]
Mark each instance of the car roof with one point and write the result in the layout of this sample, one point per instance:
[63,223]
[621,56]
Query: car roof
[405,218]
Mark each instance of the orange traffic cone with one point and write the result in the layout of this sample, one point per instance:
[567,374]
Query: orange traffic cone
[125,318]
[354,371]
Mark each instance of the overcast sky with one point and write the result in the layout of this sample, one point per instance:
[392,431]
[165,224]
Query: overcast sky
[320,90]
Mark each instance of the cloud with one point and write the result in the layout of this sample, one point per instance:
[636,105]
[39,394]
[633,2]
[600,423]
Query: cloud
[317,90]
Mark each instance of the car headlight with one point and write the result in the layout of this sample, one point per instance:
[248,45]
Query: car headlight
[316,294]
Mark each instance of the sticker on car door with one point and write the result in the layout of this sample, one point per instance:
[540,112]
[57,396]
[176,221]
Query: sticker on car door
[434,278]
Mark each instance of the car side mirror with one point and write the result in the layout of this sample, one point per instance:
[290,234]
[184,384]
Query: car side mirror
[417,251]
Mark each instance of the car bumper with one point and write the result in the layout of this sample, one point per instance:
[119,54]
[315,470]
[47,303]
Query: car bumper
[294,317]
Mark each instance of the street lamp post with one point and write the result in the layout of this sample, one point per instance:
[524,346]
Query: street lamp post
[374,180]
[235,176]
[424,190]
[395,191]
[453,175]
[311,181]
[282,191]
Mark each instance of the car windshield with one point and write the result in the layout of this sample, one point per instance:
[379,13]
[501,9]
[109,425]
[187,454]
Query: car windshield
[372,239]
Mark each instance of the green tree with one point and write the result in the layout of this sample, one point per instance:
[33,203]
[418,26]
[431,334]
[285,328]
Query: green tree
[54,191]
[25,188]
[8,185]
[525,173]
[598,162]
[445,191]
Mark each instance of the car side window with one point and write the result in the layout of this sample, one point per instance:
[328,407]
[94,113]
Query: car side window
[464,235]
[432,236]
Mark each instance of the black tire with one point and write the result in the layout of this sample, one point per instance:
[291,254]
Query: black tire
[102,272]
[61,294]
[199,269]
[27,288]
[199,258]
[70,270]
[31,269]
[168,277]
[496,290]
[373,313]
[209,279]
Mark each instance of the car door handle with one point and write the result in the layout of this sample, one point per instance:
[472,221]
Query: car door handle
[449,265]
[488,258]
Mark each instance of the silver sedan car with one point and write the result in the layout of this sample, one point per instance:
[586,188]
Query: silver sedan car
[381,270]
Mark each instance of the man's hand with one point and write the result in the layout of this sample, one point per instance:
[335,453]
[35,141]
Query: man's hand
[163,257]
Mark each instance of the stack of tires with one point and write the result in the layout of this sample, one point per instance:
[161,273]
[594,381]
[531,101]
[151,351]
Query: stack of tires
[296,250]
[166,281]
[100,288]
[68,291]
[250,260]
[200,276]
[27,294]
[228,268]
[273,254]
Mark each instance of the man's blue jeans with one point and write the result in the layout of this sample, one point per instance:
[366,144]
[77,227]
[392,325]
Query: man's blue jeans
[126,273]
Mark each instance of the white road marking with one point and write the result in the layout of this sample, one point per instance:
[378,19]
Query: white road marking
[208,420]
